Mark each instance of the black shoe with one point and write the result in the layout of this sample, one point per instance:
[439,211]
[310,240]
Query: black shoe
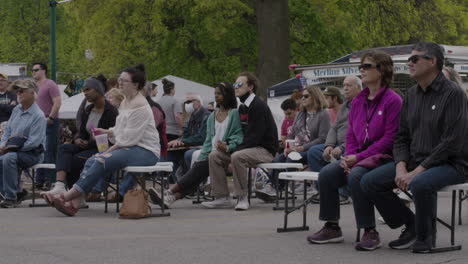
[423,246]
[21,196]
[405,240]
[8,204]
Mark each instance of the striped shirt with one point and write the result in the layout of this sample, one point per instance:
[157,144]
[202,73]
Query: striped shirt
[433,127]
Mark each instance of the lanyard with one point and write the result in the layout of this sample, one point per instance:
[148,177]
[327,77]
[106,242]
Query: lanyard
[369,118]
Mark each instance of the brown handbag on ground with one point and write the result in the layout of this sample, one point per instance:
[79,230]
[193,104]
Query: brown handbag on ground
[135,204]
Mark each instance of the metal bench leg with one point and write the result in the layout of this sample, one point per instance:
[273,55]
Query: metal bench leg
[452,246]
[33,180]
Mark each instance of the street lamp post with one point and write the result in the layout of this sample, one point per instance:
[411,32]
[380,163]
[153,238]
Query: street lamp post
[53,57]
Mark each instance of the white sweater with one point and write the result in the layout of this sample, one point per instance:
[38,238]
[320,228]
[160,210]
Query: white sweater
[136,127]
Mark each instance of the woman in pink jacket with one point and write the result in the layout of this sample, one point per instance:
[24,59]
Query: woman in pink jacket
[373,124]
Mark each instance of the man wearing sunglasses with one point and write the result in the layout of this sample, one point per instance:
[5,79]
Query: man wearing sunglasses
[7,99]
[26,125]
[430,150]
[260,144]
[49,100]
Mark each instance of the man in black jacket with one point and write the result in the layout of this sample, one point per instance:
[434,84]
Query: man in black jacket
[260,145]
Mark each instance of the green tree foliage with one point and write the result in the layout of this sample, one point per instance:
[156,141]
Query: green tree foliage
[212,40]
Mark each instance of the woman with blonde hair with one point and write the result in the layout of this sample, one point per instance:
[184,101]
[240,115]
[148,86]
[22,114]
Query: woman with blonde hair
[310,128]
[115,97]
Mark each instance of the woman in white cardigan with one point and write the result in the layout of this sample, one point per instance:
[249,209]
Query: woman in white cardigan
[135,139]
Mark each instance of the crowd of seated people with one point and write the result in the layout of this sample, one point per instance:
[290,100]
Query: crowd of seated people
[364,142]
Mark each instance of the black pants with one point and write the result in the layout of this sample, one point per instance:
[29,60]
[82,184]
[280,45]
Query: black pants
[71,159]
[196,175]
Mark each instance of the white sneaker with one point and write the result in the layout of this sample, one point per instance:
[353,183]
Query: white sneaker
[222,202]
[242,203]
[267,194]
[59,187]
[83,204]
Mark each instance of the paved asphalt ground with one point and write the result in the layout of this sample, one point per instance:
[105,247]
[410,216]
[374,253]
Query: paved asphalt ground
[195,235]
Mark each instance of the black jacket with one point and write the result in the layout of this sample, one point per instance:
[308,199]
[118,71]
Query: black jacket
[107,121]
[259,126]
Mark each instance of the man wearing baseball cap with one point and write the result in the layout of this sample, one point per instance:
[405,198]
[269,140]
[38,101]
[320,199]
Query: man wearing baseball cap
[22,143]
[7,99]
[334,100]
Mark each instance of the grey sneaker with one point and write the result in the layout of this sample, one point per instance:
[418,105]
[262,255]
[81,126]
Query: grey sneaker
[267,194]
[156,198]
[344,200]
[242,203]
[221,202]
[327,234]
[369,241]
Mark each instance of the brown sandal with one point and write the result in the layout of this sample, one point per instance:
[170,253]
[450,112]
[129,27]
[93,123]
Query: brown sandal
[65,207]
[93,197]
[113,196]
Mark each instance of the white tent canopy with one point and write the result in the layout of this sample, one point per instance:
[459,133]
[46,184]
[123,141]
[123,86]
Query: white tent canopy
[182,87]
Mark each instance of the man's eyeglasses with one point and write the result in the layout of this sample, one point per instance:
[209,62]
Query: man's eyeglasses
[366,66]
[35,70]
[414,59]
[305,96]
[237,85]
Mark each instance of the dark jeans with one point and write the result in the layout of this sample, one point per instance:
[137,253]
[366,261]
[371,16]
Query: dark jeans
[379,185]
[50,153]
[331,178]
[71,159]
[273,176]
[177,158]
[196,175]
[316,162]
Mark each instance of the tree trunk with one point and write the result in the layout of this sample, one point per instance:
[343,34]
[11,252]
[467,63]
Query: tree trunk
[273,36]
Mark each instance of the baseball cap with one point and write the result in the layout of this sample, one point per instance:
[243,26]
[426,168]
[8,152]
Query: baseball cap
[4,76]
[24,84]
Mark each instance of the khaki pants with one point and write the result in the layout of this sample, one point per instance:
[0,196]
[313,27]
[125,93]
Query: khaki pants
[241,161]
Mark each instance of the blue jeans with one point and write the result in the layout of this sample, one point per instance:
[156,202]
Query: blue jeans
[316,162]
[273,176]
[9,165]
[331,178]
[97,168]
[50,153]
[188,158]
[379,185]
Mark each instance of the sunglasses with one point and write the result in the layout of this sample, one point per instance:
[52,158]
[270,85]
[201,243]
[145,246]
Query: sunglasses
[305,96]
[414,59]
[366,66]
[237,85]
[35,70]
[20,91]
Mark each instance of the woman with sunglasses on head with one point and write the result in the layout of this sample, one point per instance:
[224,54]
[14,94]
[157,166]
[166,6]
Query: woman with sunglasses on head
[72,157]
[310,128]
[223,133]
[373,124]
[135,139]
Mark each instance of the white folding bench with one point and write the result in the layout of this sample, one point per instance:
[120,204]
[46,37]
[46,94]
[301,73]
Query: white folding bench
[453,189]
[291,177]
[278,166]
[47,166]
[166,168]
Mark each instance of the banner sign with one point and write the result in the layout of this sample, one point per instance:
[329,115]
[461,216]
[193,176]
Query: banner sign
[329,71]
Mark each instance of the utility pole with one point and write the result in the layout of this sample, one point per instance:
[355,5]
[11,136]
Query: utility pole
[53,57]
